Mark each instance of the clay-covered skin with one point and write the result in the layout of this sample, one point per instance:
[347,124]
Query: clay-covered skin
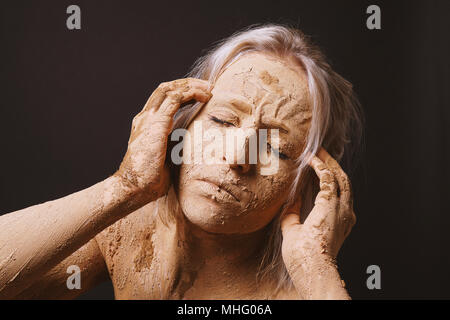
[214,253]
[35,241]
[213,249]
[144,163]
[256,92]
[309,250]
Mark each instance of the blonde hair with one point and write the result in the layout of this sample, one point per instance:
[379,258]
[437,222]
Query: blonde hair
[336,118]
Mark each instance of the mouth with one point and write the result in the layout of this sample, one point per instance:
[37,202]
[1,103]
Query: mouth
[232,190]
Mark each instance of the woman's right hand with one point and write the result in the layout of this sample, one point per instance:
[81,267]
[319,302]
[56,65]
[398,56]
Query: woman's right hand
[144,163]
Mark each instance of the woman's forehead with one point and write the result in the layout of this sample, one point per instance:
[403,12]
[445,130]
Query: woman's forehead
[265,81]
[269,72]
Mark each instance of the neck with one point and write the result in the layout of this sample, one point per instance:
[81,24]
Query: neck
[234,252]
[219,266]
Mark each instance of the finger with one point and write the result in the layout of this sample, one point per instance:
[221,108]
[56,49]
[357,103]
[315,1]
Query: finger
[157,97]
[288,221]
[184,91]
[165,101]
[345,189]
[293,209]
[180,85]
[328,188]
[350,221]
[346,207]
[197,94]
[174,99]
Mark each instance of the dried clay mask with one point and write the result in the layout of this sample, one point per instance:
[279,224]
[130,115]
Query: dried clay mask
[257,91]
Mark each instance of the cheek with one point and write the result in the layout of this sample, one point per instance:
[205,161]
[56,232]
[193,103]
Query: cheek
[184,185]
[272,191]
[182,176]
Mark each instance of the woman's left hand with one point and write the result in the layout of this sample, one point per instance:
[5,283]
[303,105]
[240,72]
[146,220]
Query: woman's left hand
[313,245]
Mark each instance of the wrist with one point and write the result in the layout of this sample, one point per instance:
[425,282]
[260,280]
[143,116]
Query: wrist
[122,197]
[144,190]
[317,277]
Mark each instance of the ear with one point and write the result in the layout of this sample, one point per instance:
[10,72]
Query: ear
[291,216]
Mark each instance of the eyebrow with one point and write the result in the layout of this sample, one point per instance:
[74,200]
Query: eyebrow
[247,107]
[276,125]
[242,105]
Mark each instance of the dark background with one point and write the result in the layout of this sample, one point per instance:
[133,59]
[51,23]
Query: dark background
[68,98]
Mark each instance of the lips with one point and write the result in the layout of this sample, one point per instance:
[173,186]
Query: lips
[232,190]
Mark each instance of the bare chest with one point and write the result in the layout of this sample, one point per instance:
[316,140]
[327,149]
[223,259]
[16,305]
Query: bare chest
[148,261]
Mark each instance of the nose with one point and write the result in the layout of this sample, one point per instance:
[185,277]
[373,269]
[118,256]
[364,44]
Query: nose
[242,163]
[241,168]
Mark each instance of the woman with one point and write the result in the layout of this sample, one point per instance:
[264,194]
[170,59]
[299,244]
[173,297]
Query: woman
[219,230]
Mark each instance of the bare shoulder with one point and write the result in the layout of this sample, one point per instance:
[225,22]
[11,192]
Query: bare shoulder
[141,253]
[119,240]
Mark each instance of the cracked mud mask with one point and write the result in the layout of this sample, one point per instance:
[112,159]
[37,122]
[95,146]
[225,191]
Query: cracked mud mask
[257,91]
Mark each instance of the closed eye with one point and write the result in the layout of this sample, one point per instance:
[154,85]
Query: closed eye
[278,153]
[217,120]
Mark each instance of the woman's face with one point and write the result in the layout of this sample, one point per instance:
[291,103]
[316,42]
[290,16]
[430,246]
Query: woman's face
[255,92]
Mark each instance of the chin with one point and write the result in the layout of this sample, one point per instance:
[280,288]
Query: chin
[213,217]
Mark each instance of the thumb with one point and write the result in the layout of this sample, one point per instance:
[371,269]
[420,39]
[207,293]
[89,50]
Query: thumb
[289,220]
[291,217]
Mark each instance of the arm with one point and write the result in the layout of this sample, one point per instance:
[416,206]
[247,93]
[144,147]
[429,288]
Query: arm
[53,284]
[36,239]
[309,250]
